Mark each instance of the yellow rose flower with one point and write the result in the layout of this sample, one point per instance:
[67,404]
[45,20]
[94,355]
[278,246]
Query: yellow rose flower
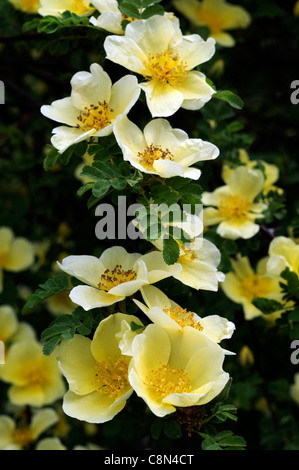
[296,8]
[198,264]
[235,209]
[56,7]
[33,377]
[162,150]
[169,315]
[11,330]
[156,49]
[97,372]
[112,277]
[243,284]
[271,172]
[218,15]
[29,6]
[283,253]
[92,108]
[16,253]
[176,368]
[19,437]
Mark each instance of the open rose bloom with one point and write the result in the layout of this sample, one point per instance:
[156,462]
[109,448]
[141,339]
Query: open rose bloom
[169,315]
[157,50]
[162,150]
[176,368]
[97,372]
[92,108]
[236,206]
[219,15]
[115,275]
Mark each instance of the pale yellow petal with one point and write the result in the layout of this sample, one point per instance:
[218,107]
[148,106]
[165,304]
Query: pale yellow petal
[78,364]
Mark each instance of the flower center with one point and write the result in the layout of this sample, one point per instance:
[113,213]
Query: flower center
[115,277]
[210,18]
[255,286]
[183,317]
[153,153]
[112,376]
[22,436]
[36,375]
[185,255]
[167,380]
[95,117]
[234,206]
[79,8]
[165,67]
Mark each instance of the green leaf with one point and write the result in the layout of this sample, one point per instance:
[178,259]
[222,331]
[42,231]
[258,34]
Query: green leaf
[129,9]
[232,441]
[135,326]
[210,444]
[55,285]
[156,428]
[231,98]
[65,327]
[267,306]
[51,159]
[172,429]
[171,250]
[50,345]
[151,11]
[100,188]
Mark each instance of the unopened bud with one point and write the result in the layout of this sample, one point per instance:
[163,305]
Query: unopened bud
[246,357]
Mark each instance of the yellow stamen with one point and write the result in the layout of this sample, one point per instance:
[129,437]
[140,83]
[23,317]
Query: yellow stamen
[95,117]
[167,380]
[112,376]
[185,255]
[165,67]
[255,286]
[234,206]
[115,277]
[36,375]
[183,317]
[153,153]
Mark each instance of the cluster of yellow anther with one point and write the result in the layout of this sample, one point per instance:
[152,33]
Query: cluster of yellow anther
[186,255]
[116,276]
[167,380]
[153,153]
[234,206]
[95,117]
[35,375]
[112,376]
[183,317]
[165,67]
[255,286]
